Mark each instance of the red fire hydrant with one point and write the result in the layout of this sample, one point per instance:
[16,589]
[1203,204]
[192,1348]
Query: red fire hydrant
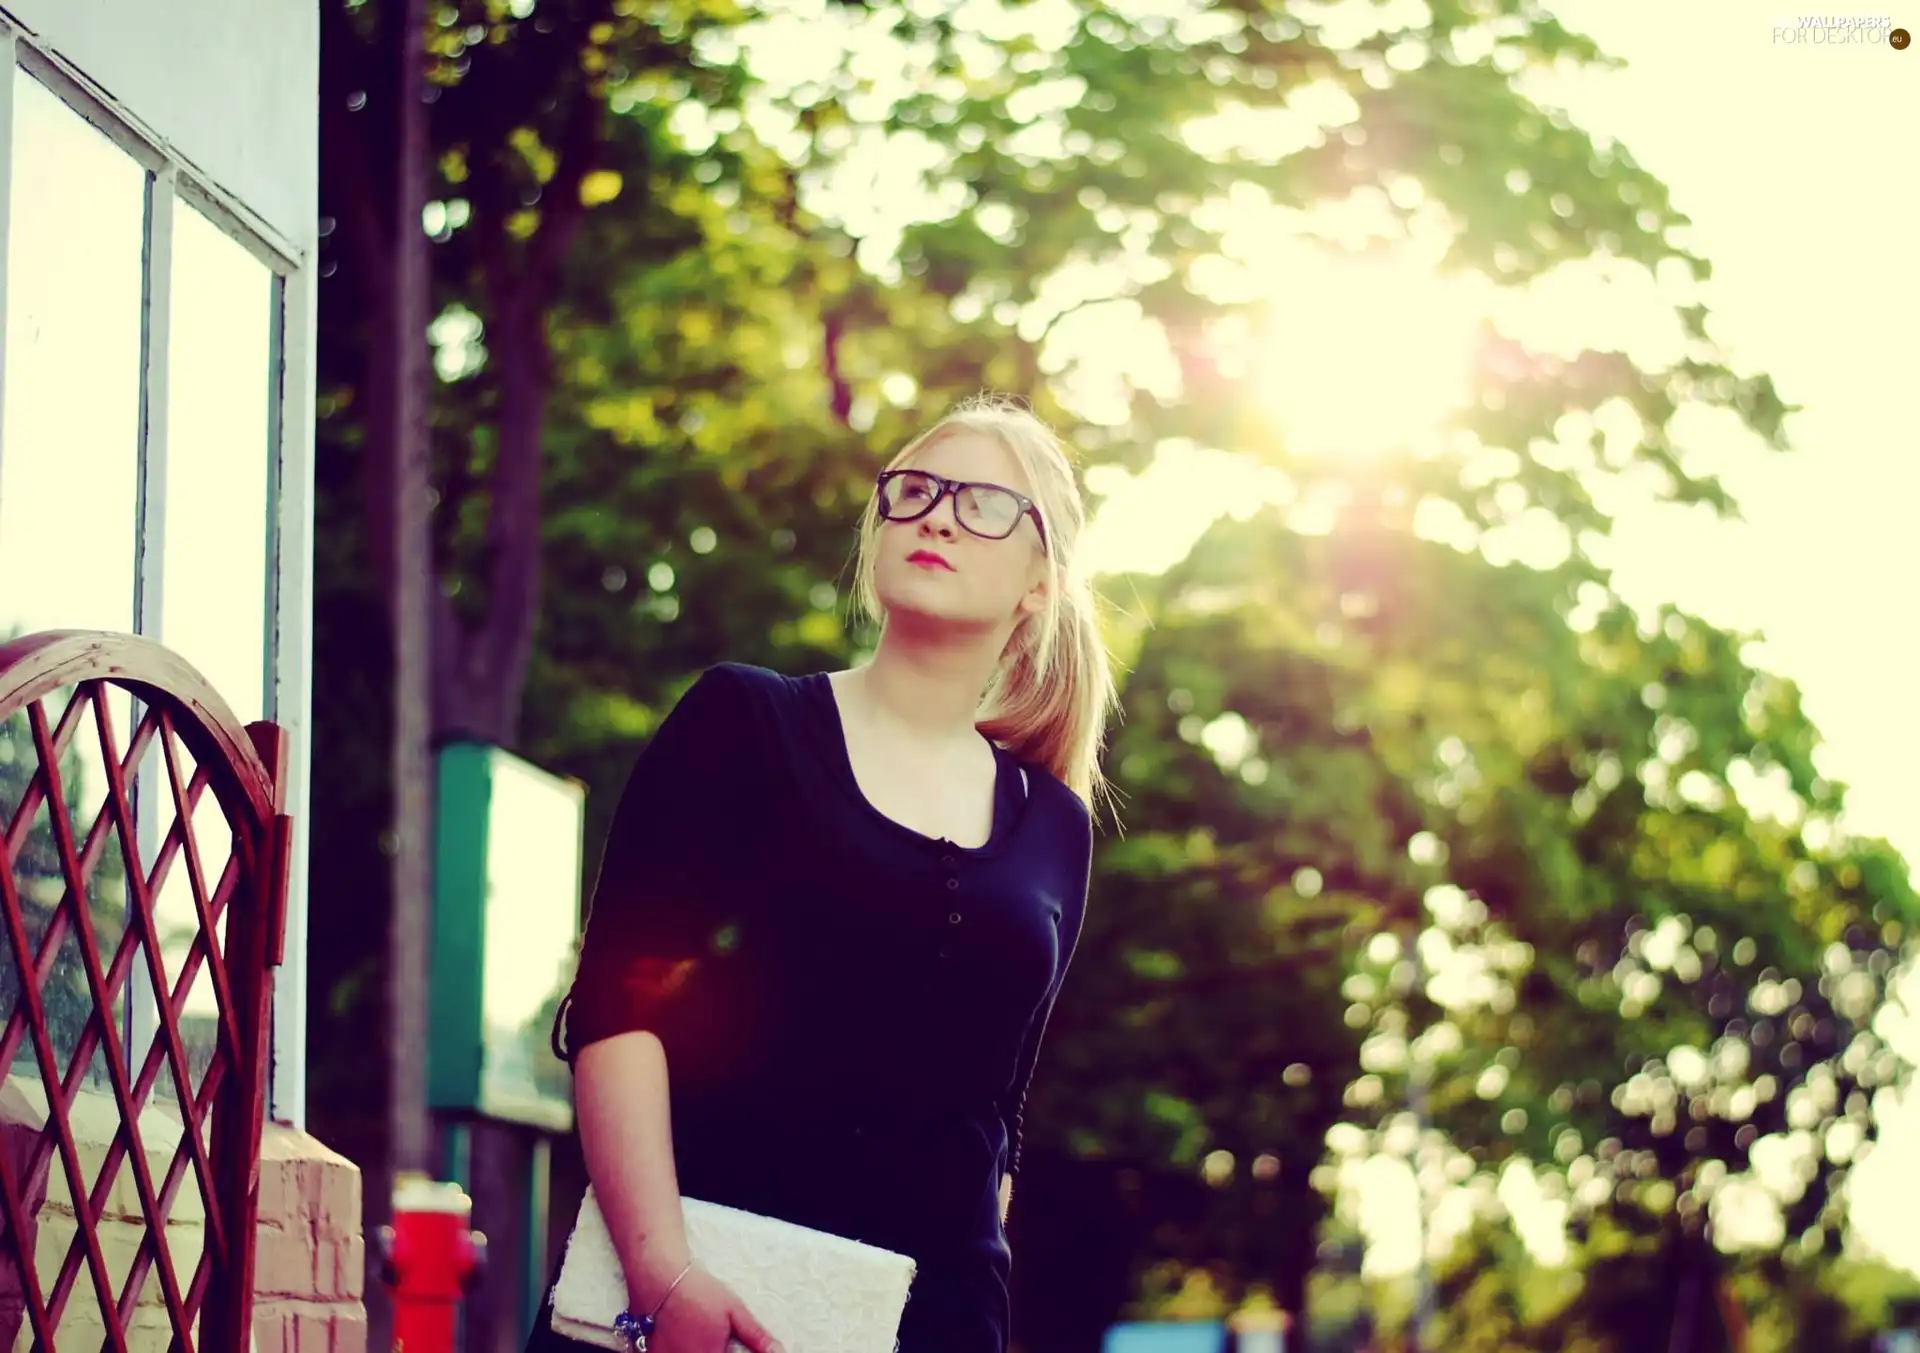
[430,1258]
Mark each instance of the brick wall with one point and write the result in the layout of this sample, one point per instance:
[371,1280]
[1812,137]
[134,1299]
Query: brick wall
[309,1266]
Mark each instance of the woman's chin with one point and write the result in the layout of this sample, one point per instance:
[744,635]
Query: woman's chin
[905,608]
[925,608]
[920,590]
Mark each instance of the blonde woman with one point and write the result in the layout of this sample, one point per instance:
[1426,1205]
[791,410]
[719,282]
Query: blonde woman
[835,911]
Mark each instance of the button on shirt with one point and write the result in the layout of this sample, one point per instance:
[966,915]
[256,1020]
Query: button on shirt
[851,1010]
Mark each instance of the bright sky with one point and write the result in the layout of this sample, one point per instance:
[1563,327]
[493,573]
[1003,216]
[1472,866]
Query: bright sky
[1796,163]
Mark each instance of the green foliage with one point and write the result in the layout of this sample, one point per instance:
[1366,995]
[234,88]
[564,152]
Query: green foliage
[1623,1288]
[1332,737]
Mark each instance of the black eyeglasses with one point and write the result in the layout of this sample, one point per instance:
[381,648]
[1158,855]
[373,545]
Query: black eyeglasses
[989,511]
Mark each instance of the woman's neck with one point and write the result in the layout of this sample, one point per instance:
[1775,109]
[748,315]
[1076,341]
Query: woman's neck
[929,690]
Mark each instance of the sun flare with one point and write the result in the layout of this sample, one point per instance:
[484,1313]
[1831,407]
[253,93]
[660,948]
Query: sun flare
[1364,356]
[1356,356]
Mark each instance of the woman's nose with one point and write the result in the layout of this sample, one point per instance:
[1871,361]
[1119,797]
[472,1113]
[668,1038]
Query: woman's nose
[944,517]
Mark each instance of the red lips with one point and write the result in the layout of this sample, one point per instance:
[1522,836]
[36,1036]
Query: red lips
[928,559]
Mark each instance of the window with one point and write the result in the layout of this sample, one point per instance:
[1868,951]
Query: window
[70,428]
[69,435]
[213,567]
[140,387]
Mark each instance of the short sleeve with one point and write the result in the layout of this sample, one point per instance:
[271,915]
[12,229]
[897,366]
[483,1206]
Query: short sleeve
[656,954]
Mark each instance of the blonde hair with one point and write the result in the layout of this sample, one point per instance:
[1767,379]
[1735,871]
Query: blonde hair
[1054,690]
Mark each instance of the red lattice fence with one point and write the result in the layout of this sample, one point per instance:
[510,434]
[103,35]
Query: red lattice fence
[140,918]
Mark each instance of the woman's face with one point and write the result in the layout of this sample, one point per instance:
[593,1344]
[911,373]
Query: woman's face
[935,568]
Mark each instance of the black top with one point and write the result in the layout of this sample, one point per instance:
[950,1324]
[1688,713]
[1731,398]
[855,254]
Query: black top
[850,1010]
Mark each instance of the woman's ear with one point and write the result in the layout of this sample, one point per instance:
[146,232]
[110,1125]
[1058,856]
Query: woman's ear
[1035,599]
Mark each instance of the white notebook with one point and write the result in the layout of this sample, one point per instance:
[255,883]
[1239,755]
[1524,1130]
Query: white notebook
[815,1292]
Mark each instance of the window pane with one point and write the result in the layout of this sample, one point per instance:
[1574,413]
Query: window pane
[70,441]
[213,568]
[69,482]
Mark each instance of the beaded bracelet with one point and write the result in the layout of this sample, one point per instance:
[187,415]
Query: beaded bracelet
[638,1329]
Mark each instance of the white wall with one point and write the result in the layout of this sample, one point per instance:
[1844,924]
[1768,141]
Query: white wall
[231,85]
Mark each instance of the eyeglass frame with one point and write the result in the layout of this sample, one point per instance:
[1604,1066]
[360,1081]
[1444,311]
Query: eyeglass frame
[951,488]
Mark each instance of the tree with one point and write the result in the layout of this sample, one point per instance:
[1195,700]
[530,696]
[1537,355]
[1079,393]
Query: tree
[1623,1290]
[1358,734]
[542,127]
[377,201]
[653,312]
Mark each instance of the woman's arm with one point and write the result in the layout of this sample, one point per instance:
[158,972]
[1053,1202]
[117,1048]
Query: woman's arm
[649,980]
[626,1134]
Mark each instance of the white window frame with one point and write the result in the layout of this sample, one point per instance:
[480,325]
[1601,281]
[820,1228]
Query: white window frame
[288,687]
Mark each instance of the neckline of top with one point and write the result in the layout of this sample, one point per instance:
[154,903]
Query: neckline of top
[1009,798]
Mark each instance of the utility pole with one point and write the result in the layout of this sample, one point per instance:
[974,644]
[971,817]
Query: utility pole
[397,486]
[409,609]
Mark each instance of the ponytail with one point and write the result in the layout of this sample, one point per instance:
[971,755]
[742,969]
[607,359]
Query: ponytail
[1054,692]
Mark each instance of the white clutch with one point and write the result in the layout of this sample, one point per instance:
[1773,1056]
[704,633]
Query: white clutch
[815,1292]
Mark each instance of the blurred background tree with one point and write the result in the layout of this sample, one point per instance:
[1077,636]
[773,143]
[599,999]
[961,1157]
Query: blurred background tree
[1435,852]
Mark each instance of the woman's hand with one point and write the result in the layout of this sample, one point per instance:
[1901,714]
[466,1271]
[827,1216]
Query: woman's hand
[705,1316]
